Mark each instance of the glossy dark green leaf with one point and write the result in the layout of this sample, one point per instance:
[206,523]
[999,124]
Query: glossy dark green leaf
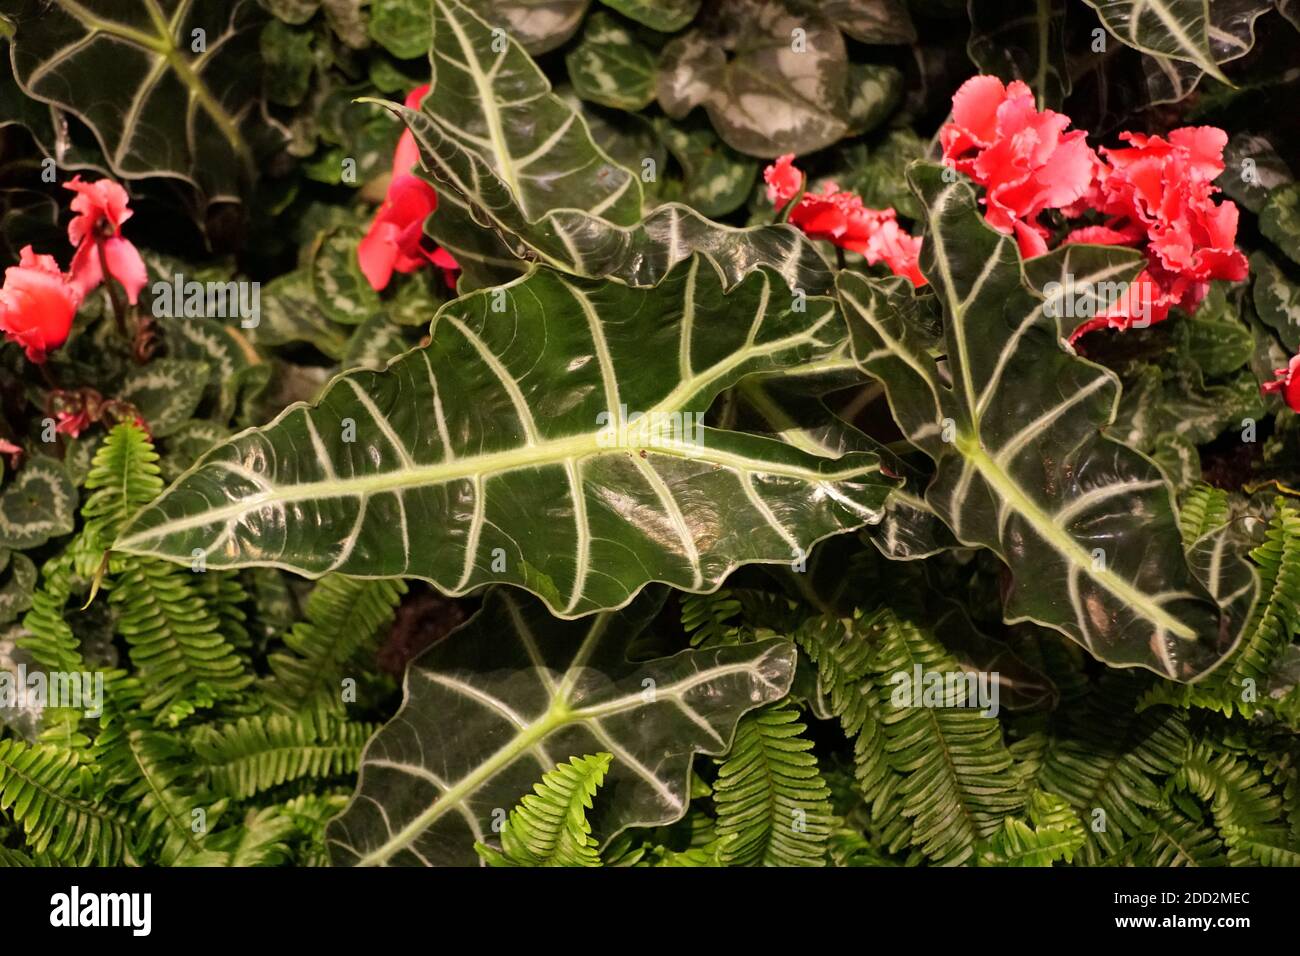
[1014,425]
[525,691]
[509,450]
[175,110]
[1022,40]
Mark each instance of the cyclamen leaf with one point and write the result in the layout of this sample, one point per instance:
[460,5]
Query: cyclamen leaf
[610,66]
[166,391]
[871,21]
[1086,525]
[496,453]
[508,153]
[538,25]
[1277,300]
[1279,220]
[525,691]
[39,503]
[663,15]
[174,111]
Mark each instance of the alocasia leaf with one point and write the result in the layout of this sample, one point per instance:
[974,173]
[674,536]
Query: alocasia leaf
[523,691]
[508,153]
[39,503]
[498,453]
[183,103]
[611,66]
[1014,424]
[1198,32]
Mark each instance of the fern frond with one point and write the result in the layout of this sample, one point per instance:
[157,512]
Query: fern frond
[1175,839]
[48,638]
[145,771]
[47,791]
[260,839]
[1053,832]
[343,618]
[960,780]
[1247,813]
[1107,759]
[709,619]
[1203,509]
[549,827]
[770,797]
[225,596]
[124,477]
[259,752]
[173,637]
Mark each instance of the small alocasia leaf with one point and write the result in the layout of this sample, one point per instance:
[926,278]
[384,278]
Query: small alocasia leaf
[39,503]
[611,66]
[1198,32]
[166,391]
[525,691]
[510,450]
[508,153]
[1279,220]
[1022,40]
[538,25]
[1277,300]
[666,16]
[1015,425]
[175,110]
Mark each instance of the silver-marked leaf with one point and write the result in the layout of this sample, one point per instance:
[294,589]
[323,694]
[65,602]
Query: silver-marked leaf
[1022,40]
[1279,219]
[19,581]
[1252,168]
[294,12]
[716,180]
[1015,425]
[611,66]
[520,178]
[1198,32]
[290,314]
[375,343]
[874,93]
[338,284]
[782,89]
[39,503]
[514,691]
[174,110]
[690,68]
[166,391]
[665,16]
[538,25]
[1277,300]
[871,21]
[233,363]
[510,450]
[400,26]
[188,443]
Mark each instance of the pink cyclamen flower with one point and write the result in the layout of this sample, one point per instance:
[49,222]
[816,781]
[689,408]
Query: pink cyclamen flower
[1158,194]
[37,304]
[1287,384]
[1021,155]
[11,452]
[96,231]
[840,218]
[395,240]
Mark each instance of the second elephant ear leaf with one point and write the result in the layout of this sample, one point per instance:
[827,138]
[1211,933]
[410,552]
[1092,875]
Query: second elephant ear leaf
[1015,425]
[520,178]
[550,436]
[514,692]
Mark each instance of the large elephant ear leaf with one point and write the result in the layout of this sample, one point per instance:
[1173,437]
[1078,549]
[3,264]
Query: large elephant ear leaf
[523,179]
[549,436]
[524,691]
[134,73]
[1198,32]
[1015,425]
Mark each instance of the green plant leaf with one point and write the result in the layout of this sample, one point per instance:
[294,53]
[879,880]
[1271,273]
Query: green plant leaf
[166,391]
[1279,220]
[549,827]
[1025,469]
[1022,40]
[871,21]
[769,97]
[402,27]
[716,179]
[1195,31]
[1277,300]
[39,503]
[507,153]
[667,16]
[538,25]
[611,66]
[175,111]
[496,453]
[525,691]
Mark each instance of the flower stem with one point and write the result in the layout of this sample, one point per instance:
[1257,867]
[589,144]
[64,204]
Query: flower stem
[120,306]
